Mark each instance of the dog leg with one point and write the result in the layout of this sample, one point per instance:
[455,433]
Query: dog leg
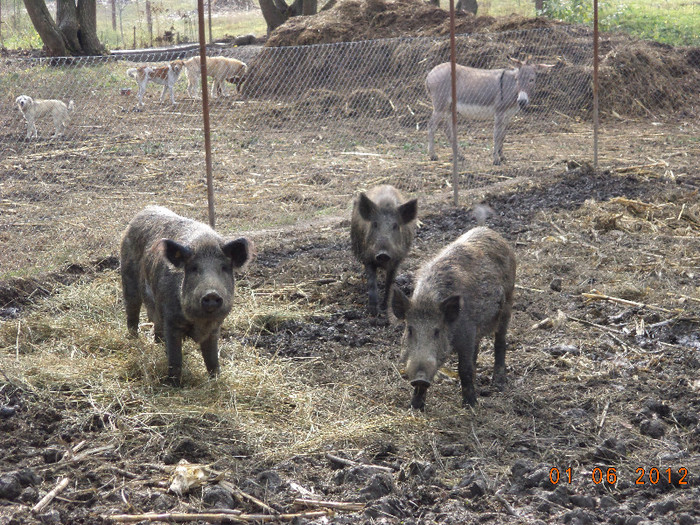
[31,129]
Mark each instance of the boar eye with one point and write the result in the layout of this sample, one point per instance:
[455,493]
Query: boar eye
[374,224]
[410,331]
[396,226]
[436,334]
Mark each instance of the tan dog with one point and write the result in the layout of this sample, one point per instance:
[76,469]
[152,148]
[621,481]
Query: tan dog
[166,76]
[35,108]
[221,69]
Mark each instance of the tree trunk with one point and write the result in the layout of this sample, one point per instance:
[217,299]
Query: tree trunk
[539,5]
[68,25]
[149,22]
[310,7]
[46,27]
[73,33]
[277,12]
[273,16]
[114,15]
[470,6]
[87,18]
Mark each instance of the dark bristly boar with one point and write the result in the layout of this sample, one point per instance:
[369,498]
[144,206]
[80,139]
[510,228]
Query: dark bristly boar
[382,229]
[462,295]
[183,271]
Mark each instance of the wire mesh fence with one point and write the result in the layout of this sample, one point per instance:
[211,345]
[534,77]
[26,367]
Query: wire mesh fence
[309,126]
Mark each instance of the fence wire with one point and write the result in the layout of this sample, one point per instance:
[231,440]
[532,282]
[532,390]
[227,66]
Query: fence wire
[309,127]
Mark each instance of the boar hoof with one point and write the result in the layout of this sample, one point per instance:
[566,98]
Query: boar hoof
[174,375]
[499,381]
[469,401]
[433,157]
[373,310]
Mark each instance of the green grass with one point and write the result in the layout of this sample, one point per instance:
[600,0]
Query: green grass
[178,16]
[673,22]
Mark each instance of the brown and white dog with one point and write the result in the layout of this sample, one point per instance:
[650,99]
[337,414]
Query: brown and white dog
[33,108]
[221,69]
[166,76]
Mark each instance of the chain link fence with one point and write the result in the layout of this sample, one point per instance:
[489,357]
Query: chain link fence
[309,127]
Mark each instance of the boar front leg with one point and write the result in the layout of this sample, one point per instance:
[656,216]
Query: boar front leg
[132,296]
[390,276]
[210,353]
[372,288]
[464,342]
[173,349]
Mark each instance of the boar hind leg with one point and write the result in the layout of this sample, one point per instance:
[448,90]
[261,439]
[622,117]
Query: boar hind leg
[372,289]
[499,350]
[210,353]
[464,344]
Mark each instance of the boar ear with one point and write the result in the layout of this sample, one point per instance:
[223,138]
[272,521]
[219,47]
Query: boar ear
[399,302]
[366,207]
[450,308]
[238,251]
[408,211]
[176,253]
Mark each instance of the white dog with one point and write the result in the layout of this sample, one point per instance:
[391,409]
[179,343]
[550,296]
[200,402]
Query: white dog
[33,108]
[221,69]
[166,76]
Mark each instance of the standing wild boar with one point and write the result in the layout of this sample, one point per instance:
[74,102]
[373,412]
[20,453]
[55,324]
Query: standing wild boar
[382,229]
[183,271]
[462,295]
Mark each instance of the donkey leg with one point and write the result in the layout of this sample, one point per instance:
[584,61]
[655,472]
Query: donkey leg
[433,124]
[449,131]
[499,134]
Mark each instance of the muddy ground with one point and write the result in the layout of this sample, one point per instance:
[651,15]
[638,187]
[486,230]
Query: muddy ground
[598,385]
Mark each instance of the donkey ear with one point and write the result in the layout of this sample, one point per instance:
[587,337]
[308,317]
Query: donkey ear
[366,207]
[520,63]
[178,254]
[408,211]
[545,67]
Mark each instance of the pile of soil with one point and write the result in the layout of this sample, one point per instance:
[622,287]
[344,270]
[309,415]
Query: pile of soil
[353,20]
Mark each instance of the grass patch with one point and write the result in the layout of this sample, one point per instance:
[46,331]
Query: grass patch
[74,346]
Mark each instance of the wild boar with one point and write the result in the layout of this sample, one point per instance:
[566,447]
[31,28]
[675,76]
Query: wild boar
[381,232]
[462,295]
[183,271]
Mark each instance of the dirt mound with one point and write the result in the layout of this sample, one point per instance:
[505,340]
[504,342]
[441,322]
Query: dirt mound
[353,20]
[644,78]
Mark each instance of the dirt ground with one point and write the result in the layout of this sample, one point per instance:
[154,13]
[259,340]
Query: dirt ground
[593,384]
[599,421]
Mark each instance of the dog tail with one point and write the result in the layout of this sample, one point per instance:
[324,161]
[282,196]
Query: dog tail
[132,72]
[71,105]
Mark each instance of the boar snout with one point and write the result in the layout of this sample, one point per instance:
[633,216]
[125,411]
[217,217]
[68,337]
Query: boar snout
[420,388]
[383,259]
[212,302]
